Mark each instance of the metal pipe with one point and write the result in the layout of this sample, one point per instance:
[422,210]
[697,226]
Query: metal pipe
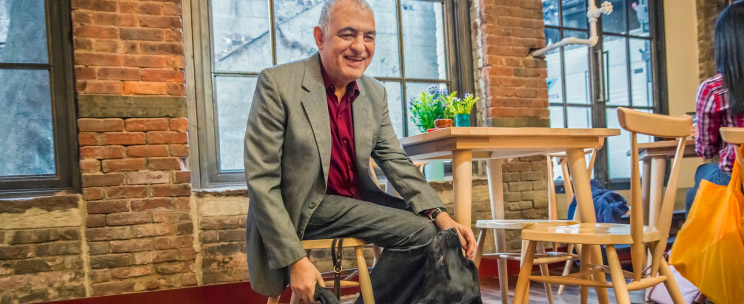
[593,15]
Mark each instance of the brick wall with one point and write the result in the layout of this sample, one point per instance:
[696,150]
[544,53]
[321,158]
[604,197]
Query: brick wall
[707,13]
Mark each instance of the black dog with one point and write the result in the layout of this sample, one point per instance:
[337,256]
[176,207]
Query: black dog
[449,277]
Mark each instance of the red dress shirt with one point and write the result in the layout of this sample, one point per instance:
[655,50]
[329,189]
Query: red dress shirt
[342,174]
[713,113]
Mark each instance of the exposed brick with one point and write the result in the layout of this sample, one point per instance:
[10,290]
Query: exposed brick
[164,163]
[167,137]
[127,164]
[106,46]
[98,248]
[109,233]
[163,48]
[179,150]
[131,47]
[108,206]
[102,152]
[110,261]
[162,75]
[118,73]
[95,5]
[97,59]
[31,266]
[150,8]
[112,288]
[173,9]
[126,192]
[93,31]
[146,124]
[16,252]
[133,245]
[95,220]
[160,21]
[179,124]
[132,272]
[58,248]
[171,190]
[88,139]
[148,177]
[173,35]
[170,217]
[171,268]
[148,151]
[92,194]
[145,88]
[181,177]
[101,125]
[90,166]
[100,180]
[176,89]
[100,275]
[149,230]
[164,243]
[185,228]
[81,45]
[119,20]
[141,34]
[85,72]
[182,202]
[187,241]
[149,61]
[520,186]
[99,87]
[151,203]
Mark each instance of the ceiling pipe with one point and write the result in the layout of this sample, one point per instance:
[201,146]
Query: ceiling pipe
[593,15]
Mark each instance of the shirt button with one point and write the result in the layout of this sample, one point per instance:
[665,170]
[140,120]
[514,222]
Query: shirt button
[312,205]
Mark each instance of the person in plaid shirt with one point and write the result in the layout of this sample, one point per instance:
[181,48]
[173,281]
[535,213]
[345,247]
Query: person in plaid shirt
[720,100]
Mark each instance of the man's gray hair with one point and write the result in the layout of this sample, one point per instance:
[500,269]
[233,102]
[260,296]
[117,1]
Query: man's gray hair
[325,15]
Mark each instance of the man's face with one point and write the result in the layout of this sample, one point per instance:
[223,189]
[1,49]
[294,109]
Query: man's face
[347,49]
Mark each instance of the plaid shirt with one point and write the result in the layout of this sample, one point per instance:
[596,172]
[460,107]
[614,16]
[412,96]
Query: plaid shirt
[713,113]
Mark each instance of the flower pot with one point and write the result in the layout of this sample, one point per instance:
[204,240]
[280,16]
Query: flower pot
[462,120]
[443,123]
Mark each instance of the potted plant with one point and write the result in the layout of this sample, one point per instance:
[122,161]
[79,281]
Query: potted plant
[446,120]
[460,109]
[425,109]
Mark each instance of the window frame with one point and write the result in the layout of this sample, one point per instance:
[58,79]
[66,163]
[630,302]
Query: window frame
[200,80]
[62,97]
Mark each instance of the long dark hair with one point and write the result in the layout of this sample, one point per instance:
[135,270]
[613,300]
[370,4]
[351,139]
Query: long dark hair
[729,48]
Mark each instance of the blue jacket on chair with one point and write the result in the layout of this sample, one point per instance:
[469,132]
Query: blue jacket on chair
[609,206]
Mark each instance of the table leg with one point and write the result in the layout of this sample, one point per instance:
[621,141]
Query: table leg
[585,205]
[496,192]
[658,170]
[462,184]
[645,188]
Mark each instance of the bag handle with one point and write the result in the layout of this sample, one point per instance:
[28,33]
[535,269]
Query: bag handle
[736,182]
[337,250]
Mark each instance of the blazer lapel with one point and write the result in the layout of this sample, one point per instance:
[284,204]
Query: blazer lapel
[316,108]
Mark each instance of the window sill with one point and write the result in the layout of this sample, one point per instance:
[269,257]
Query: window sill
[222,191]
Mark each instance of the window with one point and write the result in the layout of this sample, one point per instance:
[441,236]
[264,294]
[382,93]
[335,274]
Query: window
[235,39]
[586,85]
[38,146]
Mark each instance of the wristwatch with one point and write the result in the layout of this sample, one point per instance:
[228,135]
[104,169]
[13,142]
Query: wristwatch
[435,212]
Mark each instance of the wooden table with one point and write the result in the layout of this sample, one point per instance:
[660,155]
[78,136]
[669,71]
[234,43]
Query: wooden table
[463,145]
[654,156]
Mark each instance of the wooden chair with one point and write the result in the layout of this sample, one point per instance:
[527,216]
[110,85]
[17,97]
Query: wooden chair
[636,234]
[364,284]
[543,258]
[734,136]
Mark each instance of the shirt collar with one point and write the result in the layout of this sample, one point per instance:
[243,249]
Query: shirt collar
[352,89]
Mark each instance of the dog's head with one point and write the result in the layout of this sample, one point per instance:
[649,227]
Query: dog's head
[449,273]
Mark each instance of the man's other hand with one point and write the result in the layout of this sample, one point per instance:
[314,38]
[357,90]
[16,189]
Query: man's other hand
[302,278]
[444,221]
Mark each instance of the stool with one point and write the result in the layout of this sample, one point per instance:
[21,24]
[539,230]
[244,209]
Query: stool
[365,285]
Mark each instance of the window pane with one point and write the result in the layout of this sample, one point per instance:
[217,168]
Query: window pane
[23,36]
[550,12]
[395,106]
[423,39]
[553,59]
[579,117]
[233,95]
[240,35]
[618,147]
[26,120]
[638,18]
[295,21]
[414,89]
[640,68]
[615,22]
[386,61]
[556,117]
[574,13]
[616,70]
[577,70]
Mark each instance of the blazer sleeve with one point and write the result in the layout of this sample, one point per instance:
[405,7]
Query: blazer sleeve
[398,168]
[264,138]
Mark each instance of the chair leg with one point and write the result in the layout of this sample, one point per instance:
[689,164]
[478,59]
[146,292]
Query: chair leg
[583,265]
[479,248]
[618,279]
[671,282]
[365,284]
[274,300]
[503,280]
[596,253]
[545,272]
[523,283]
[566,268]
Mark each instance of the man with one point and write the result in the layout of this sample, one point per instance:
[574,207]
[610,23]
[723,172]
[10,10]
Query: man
[312,128]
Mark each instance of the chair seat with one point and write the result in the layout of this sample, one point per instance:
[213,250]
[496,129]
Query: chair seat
[588,233]
[326,243]
[520,224]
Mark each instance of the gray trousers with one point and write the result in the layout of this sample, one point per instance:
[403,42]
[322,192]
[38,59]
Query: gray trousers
[404,235]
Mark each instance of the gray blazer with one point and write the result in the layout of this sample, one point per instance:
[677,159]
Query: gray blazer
[287,156]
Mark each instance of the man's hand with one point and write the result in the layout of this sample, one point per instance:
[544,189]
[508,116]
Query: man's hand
[467,240]
[302,278]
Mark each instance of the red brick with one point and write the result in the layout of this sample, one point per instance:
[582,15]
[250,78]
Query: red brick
[92,194]
[82,44]
[162,48]
[132,271]
[181,177]
[148,230]
[147,61]
[167,137]
[99,87]
[90,166]
[152,203]
[145,88]
[147,151]
[183,203]
[124,138]
[160,21]
[179,124]
[112,288]
[128,7]
[108,233]
[173,9]
[88,139]
[95,221]
[114,19]
[97,59]
[94,5]
[118,73]
[107,206]
[146,124]
[82,73]
[173,35]
[128,218]
[164,163]
[150,9]
[169,190]
[92,31]
[162,75]
[148,177]
[102,152]
[144,34]
[179,150]
[106,46]
[81,17]
[131,47]
[101,180]
[126,192]
[176,89]
[133,245]
[127,164]
[101,125]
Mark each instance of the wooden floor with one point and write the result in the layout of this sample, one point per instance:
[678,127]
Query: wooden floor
[490,293]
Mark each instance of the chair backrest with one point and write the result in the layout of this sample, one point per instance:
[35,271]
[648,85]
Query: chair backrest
[655,125]
[734,136]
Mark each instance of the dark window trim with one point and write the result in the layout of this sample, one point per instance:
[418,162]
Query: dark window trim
[62,86]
